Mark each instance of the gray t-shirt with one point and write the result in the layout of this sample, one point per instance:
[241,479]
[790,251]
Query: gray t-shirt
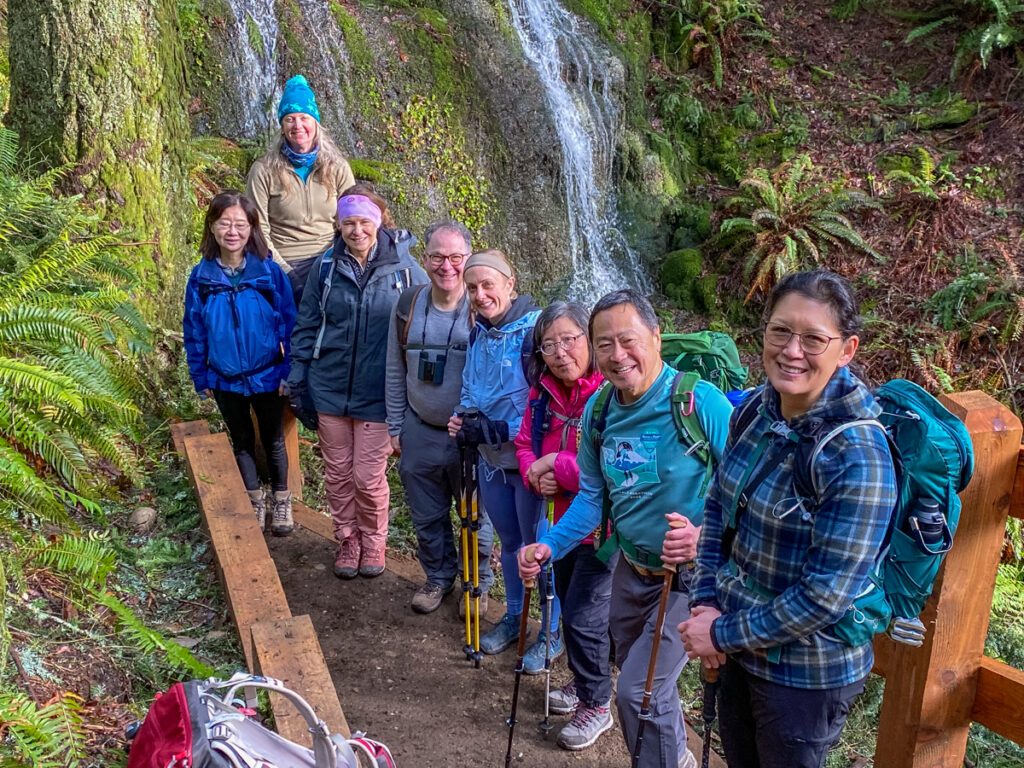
[433,335]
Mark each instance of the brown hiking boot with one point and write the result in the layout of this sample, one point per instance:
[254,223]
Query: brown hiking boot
[462,606]
[428,597]
[346,563]
[371,563]
[258,499]
[281,523]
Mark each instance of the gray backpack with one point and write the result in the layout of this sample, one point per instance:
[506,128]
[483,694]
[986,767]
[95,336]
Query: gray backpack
[199,724]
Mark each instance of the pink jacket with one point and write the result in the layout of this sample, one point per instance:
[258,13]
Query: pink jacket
[562,404]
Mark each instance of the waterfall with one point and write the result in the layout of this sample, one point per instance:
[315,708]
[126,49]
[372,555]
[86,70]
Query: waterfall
[329,64]
[250,62]
[577,91]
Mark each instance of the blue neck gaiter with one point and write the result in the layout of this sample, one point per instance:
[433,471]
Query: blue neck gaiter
[302,162]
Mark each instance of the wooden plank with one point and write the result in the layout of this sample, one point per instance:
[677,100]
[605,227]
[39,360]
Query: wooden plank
[313,520]
[250,580]
[930,691]
[999,703]
[1017,499]
[288,650]
[182,429]
[291,444]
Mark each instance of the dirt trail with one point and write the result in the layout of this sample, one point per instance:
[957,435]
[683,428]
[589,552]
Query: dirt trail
[402,677]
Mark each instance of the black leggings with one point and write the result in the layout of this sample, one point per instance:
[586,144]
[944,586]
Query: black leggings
[269,410]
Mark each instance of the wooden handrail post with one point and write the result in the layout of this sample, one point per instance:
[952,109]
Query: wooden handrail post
[929,691]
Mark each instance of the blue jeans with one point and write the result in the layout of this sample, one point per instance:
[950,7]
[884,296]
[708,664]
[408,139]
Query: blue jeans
[768,725]
[515,512]
[584,587]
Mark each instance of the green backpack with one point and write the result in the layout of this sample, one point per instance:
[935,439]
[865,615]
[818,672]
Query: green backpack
[710,354]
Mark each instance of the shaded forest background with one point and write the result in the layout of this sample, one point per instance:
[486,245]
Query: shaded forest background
[883,140]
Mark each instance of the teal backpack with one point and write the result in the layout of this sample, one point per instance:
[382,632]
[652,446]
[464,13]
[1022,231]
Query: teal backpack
[711,354]
[934,461]
[707,355]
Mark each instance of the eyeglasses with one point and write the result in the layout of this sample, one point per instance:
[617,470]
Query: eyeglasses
[811,343]
[566,343]
[224,225]
[437,259]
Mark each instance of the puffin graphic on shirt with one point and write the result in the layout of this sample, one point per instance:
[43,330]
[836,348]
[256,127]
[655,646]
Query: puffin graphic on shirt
[631,461]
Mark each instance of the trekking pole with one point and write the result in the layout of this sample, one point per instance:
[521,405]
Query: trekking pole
[464,538]
[528,585]
[473,652]
[708,711]
[545,724]
[645,705]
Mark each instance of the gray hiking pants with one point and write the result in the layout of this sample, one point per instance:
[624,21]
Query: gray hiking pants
[431,475]
[632,618]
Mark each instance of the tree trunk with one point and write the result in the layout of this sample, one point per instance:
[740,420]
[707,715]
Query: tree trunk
[100,85]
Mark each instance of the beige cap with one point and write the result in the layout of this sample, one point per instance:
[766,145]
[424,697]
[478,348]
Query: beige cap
[492,258]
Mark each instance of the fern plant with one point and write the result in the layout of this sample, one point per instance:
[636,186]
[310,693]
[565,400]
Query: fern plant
[916,174]
[709,28]
[985,28]
[49,736]
[68,332]
[786,221]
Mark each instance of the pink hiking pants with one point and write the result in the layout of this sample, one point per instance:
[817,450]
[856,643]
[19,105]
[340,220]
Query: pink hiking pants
[355,458]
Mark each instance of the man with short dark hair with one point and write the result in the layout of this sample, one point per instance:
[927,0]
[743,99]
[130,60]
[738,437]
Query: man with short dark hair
[639,465]
[426,354]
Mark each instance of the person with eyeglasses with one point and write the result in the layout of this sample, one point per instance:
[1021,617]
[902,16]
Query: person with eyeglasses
[493,400]
[769,585]
[427,342]
[563,375]
[239,314]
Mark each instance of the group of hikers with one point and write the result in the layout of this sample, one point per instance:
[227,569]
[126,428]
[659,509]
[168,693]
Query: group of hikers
[307,293]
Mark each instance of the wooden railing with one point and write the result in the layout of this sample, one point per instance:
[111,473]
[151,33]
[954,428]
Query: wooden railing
[933,693]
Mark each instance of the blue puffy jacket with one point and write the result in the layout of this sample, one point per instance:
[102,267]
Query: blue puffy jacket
[494,379]
[237,337]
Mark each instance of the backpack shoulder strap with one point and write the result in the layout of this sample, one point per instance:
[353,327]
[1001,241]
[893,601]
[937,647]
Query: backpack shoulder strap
[602,400]
[688,427]
[539,422]
[526,352]
[808,451]
[404,308]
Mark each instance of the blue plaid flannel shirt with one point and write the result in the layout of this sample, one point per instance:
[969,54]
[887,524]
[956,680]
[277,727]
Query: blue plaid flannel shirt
[814,561]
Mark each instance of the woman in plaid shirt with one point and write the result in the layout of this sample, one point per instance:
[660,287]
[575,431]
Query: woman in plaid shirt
[762,610]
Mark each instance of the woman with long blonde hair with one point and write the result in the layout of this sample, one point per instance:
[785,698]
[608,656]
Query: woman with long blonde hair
[297,183]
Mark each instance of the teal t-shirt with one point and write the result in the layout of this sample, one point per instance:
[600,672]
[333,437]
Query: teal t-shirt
[643,465]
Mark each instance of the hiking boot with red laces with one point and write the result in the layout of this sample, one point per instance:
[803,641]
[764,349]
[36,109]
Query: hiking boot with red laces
[372,562]
[346,564]
[586,725]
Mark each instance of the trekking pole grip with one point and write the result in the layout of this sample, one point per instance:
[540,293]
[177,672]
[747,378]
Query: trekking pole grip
[675,524]
[531,554]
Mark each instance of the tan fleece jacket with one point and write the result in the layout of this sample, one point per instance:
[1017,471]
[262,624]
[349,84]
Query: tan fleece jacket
[297,219]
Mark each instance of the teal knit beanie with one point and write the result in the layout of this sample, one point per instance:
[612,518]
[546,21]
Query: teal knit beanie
[297,97]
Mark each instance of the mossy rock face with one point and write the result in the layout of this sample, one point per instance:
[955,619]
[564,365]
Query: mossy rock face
[679,275]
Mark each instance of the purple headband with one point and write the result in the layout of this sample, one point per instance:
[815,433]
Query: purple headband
[358,205]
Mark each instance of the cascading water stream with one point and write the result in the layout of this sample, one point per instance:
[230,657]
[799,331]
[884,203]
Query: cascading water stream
[576,85]
[329,64]
[251,63]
